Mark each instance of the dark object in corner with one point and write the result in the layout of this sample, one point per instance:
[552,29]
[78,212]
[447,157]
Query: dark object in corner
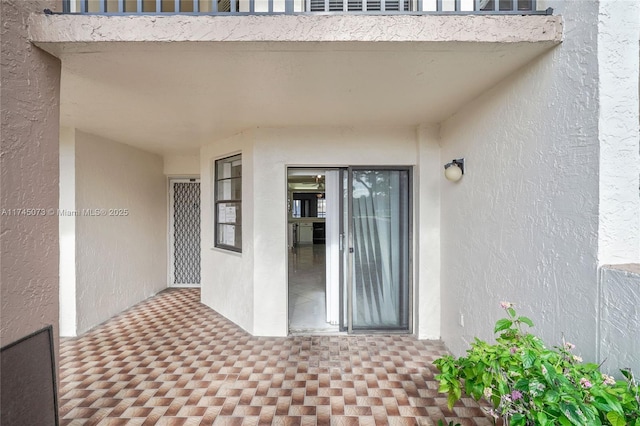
[28,381]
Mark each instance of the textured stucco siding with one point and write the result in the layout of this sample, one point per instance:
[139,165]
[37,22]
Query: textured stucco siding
[181,165]
[227,277]
[67,226]
[30,81]
[550,188]
[121,258]
[251,288]
[522,224]
[427,179]
[275,150]
[618,35]
[491,29]
[620,318]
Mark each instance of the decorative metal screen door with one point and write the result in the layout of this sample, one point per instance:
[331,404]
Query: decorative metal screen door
[184,231]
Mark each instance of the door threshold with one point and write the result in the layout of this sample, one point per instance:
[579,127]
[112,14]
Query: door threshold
[317,332]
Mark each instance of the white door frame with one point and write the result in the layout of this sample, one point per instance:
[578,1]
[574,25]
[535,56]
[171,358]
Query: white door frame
[170,238]
[333,239]
[407,307]
[340,249]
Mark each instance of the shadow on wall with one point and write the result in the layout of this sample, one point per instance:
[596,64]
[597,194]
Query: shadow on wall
[619,343]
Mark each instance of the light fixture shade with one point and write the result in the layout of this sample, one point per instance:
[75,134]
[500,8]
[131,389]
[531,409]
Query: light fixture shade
[453,173]
[454,170]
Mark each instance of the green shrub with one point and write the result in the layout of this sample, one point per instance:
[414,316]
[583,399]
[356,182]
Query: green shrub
[529,384]
[441,423]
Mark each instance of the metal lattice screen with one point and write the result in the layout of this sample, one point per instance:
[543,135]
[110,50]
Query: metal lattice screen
[186,232]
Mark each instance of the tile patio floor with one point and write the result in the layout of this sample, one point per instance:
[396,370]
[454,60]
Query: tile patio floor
[170,360]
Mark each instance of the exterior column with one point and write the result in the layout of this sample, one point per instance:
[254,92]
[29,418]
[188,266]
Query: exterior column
[619,219]
[28,177]
[427,199]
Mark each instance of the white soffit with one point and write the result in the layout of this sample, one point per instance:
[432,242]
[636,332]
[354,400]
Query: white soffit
[172,97]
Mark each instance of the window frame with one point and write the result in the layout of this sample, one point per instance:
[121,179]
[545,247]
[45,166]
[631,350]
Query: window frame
[217,202]
[321,208]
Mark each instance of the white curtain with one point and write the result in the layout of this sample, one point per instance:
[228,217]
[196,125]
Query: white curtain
[379,254]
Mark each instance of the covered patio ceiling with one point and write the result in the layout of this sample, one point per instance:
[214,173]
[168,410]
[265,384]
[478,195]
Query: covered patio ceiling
[173,97]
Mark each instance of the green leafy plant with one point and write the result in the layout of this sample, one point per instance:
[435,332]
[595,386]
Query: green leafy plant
[441,423]
[530,384]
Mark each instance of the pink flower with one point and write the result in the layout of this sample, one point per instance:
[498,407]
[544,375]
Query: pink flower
[585,383]
[516,395]
[513,350]
[494,414]
[608,380]
[506,305]
[568,346]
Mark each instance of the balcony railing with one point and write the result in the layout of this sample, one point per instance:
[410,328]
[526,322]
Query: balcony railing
[239,7]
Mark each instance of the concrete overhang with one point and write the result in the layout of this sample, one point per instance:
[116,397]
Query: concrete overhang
[172,83]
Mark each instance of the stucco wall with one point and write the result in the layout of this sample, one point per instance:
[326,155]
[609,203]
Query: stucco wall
[275,149]
[181,165]
[259,284]
[67,226]
[523,224]
[283,28]
[428,177]
[30,81]
[620,318]
[226,276]
[121,259]
[618,34]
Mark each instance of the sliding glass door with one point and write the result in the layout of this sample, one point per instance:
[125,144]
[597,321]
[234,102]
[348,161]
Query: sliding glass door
[378,226]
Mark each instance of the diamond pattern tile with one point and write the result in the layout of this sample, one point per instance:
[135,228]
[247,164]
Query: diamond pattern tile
[171,360]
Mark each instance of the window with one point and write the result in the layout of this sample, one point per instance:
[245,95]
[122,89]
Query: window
[308,204]
[322,207]
[297,209]
[228,203]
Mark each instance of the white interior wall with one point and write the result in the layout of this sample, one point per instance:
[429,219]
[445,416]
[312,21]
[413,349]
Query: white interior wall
[121,259]
[67,226]
[251,288]
[522,224]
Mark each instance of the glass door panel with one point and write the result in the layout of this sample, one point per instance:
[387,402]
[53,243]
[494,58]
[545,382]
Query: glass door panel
[379,210]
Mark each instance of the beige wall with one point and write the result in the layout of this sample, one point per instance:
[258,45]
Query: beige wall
[250,288]
[181,165]
[30,81]
[550,191]
[227,277]
[67,226]
[121,256]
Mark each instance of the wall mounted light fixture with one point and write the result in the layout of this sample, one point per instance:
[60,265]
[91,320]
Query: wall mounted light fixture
[454,170]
